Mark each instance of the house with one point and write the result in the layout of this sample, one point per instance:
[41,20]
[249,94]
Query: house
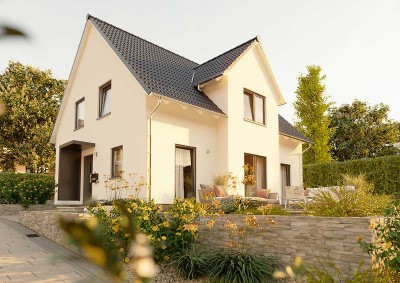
[136,107]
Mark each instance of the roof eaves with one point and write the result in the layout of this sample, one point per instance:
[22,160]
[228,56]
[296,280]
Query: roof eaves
[190,105]
[296,138]
[133,72]
[257,38]
[254,38]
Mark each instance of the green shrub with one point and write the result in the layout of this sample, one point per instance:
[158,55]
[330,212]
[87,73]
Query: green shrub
[169,233]
[236,266]
[26,189]
[326,271]
[385,249]
[192,264]
[382,172]
[340,202]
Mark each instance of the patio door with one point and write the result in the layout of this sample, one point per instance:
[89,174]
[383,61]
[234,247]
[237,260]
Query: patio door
[185,172]
[285,178]
[259,163]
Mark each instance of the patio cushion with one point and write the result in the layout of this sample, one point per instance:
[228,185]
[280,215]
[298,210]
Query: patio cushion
[262,193]
[219,191]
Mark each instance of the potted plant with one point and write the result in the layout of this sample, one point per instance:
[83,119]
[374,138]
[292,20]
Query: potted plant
[249,180]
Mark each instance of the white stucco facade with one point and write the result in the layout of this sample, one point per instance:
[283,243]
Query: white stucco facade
[220,141]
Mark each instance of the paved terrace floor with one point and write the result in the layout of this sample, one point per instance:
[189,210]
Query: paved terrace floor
[37,259]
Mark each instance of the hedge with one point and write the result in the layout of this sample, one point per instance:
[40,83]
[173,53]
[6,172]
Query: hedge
[383,172]
[26,189]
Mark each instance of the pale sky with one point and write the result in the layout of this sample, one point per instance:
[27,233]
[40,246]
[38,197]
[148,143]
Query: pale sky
[357,43]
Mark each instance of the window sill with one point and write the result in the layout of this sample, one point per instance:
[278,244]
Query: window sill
[78,128]
[256,123]
[105,115]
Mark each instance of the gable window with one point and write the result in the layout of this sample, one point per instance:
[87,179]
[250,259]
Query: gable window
[117,158]
[80,113]
[105,100]
[254,107]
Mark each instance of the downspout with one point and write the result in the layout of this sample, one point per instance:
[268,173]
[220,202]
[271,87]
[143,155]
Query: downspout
[309,146]
[301,158]
[150,145]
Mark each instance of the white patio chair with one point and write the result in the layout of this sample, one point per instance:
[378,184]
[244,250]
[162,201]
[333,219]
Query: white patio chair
[294,194]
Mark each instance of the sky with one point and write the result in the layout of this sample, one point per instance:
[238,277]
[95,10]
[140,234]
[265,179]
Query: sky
[356,43]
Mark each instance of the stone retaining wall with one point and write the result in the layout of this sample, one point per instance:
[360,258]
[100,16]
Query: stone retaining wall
[309,237]
[45,223]
[14,209]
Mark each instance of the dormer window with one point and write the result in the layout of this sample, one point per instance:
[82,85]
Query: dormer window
[80,114]
[105,100]
[254,107]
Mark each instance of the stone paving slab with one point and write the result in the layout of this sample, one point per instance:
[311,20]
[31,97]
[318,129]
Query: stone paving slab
[37,259]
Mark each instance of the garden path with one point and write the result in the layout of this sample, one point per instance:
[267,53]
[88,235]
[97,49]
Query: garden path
[37,259]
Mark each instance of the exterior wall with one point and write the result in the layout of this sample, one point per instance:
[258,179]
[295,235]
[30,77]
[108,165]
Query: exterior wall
[172,125]
[312,238]
[96,63]
[247,137]
[217,91]
[290,153]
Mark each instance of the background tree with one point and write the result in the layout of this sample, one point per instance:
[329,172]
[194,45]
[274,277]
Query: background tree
[362,131]
[311,108]
[31,99]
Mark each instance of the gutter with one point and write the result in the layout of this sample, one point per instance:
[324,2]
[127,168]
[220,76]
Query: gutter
[150,144]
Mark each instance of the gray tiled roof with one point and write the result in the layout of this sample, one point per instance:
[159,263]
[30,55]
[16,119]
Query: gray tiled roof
[216,67]
[165,73]
[285,128]
[157,69]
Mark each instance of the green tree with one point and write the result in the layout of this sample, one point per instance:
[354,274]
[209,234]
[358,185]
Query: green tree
[311,108]
[362,131]
[30,99]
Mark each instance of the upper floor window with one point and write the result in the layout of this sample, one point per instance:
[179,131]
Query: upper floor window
[117,158]
[254,107]
[105,100]
[80,113]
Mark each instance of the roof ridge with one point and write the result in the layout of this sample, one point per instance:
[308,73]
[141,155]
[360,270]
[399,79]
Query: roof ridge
[90,16]
[254,38]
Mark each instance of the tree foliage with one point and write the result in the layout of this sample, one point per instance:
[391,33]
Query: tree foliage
[30,99]
[362,131]
[311,108]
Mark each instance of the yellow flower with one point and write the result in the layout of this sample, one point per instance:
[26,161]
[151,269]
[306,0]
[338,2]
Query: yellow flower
[210,224]
[178,233]
[387,245]
[155,228]
[145,217]
[270,221]
[166,258]
[163,238]
[163,247]
[129,210]
[166,224]
[360,238]
[126,259]
[192,227]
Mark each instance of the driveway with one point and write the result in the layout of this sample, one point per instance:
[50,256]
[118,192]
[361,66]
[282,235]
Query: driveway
[27,257]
